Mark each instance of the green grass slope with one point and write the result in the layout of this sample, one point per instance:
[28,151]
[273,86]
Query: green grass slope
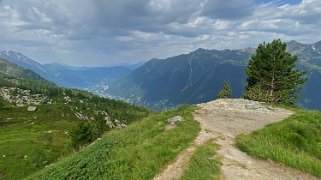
[29,141]
[295,142]
[139,151]
[204,164]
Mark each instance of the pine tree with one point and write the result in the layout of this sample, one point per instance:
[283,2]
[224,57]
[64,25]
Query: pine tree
[272,76]
[226,91]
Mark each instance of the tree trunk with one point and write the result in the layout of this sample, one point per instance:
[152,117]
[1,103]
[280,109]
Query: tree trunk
[272,87]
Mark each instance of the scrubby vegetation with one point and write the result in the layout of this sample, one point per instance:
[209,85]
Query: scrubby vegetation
[295,142]
[139,151]
[83,134]
[203,164]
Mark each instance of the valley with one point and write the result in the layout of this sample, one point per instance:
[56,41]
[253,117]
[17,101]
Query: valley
[160,90]
[68,76]
[188,78]
[53,132]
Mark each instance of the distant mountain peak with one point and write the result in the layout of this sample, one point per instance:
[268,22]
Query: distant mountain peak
[317,46]
[294,42]
[319,42]
[200,49]
[155,59]
[21,60]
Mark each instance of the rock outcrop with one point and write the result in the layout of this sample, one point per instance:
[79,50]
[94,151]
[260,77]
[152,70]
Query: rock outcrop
[81,116]
[21,97]
[237,105]
[172,122]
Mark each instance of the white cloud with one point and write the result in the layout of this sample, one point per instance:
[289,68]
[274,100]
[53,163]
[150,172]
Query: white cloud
[160,5]
[196,22]
[221,24]
[111,31]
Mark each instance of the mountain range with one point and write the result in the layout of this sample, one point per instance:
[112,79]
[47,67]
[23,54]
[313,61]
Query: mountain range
[198,76]
[68,76]
[187,78]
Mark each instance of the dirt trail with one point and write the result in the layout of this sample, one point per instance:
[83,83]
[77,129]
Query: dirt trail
[175,170]
[222,120]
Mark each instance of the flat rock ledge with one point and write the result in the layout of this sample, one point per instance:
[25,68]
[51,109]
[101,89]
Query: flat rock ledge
[237,105]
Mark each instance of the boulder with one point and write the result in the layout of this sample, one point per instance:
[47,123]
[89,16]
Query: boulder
[81,116]
[174,120]
[107,118]
[31,108]
[118,123]
[109,123]
[171,122]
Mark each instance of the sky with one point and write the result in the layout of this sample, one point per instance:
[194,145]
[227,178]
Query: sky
[111,32]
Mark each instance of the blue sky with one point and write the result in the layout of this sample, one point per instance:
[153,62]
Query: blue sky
[109,32]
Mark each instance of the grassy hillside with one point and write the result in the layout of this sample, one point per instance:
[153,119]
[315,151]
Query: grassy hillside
[139,151]
[31,140]
[11,70]
[295,142]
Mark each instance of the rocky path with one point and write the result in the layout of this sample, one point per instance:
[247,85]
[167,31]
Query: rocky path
[222,120]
